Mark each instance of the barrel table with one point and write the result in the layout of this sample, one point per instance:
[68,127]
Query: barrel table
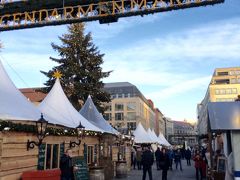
[121,169]
[96,173]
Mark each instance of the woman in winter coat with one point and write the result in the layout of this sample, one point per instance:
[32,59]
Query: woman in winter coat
[164,163]
[198,165]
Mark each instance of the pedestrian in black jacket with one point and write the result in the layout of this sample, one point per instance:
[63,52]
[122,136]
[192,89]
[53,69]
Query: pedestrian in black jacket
[165,163]
[147,162]
[157,155]
[66,165]
[188,156]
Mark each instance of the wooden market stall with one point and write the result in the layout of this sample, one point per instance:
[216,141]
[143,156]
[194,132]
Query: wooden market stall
[25,146]
[223,140]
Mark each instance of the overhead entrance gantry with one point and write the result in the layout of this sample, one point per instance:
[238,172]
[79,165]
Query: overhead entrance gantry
[20,14]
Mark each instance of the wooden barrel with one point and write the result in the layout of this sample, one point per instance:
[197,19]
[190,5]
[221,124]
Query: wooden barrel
[121,169]
[96,173]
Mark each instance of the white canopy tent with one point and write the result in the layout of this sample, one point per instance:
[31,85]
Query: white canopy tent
[163,140]
[57,106]
[155,137]
[90,112]
[141,136]
[151,135]
[13,104]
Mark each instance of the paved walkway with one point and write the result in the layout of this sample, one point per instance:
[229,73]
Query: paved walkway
[188,173]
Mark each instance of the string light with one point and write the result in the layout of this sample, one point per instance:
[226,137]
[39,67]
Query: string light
[17,127]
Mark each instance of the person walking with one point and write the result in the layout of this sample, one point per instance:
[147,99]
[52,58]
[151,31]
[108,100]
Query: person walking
[147,162]
[139,158]
[157,155]
[188,156]
[171,156]
[66,165]
[133,158]
[198,165]
[164,162]
[177,159]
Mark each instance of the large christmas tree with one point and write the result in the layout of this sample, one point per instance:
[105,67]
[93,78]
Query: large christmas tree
[80,64]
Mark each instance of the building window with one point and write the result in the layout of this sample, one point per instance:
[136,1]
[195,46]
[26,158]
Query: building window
[131,106]
[222,81]
[119,107]
[224,99]
[234,91]
[234,80]
[131,116]
[108,116]
[119,116]
[222,73]
[108,107]
[89,154]
[229,91]
[131,125]
[120,96]
[52,156]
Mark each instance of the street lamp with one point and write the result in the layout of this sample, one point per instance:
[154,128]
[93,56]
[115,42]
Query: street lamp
[41,126]
[131,136]
[80,134]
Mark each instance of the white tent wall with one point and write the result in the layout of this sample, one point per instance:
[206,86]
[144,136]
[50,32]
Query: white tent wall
[141,136]
[14,105]
[90,112]
[57,106]
[162,138]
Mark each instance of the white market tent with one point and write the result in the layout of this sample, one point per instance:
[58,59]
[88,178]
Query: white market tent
[90,112]
[151,135]
[155,137]
[13,104]
[162,138]
[57,106]
[141,136]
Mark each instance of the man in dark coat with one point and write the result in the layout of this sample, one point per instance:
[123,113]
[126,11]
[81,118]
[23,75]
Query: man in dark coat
[188,155]
[157,155]
[177,159]
[147,162]
[66,165]
[165,163]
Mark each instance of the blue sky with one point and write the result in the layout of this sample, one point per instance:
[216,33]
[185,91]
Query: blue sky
[169,56]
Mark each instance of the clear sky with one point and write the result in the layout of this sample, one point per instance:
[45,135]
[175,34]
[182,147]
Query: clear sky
[169,56]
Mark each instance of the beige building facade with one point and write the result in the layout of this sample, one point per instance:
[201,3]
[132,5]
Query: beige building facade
[224,87]
[129,107]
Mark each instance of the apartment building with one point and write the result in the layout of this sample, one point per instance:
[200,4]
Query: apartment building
[183,132]
[224,86]
[129,107]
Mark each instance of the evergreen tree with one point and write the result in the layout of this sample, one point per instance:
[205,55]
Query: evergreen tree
[80,64]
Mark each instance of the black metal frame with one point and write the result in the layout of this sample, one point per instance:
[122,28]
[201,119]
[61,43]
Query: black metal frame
[73,144]
[40,135]
[81,128]
[32,144]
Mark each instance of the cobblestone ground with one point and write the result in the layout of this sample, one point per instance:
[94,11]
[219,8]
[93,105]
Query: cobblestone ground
[188,173]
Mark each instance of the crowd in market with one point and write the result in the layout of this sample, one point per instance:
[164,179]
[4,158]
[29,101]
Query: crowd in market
[143,158]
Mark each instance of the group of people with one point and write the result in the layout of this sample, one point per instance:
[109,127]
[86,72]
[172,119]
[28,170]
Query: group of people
[144,159]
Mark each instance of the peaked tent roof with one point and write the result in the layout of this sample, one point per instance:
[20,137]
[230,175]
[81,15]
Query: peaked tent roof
[141,136]
[57,106]
[150,134]
[13,104]
[163,139]
[90,112]
[155,137]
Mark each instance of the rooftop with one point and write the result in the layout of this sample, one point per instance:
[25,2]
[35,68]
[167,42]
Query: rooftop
[33,94]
